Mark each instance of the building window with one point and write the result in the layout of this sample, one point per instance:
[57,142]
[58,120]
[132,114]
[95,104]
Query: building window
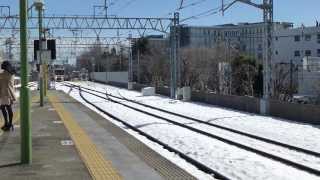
[307,37]
[297,53]
[318,38]
[318,52]
[277,52]
[296,38]
[260,56]
[277,38]
[308,53]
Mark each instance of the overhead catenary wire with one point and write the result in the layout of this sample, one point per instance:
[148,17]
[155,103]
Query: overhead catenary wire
[206,13]
[182,7]
[127,4]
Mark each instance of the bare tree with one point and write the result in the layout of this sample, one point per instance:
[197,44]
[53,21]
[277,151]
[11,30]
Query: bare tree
[200,66]
[154,66]
[283,86]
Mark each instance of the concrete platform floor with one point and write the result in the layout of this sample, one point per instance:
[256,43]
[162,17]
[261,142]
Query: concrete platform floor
[51,160]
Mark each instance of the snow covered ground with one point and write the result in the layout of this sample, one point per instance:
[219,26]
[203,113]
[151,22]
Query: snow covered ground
[298,134]
[229,160]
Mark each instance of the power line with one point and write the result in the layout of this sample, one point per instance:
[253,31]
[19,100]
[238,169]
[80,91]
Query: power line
[190,4]
[127,4]
[182,7]
[207,13]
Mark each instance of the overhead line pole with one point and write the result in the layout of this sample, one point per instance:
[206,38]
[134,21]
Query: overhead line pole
[26,141]
[267,7]
[175,74]
[39,7]
[130,62]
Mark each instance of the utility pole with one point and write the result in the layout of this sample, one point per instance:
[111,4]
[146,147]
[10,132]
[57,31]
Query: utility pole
[9,42]
[107,66]
[39,6]
[138,69]
[291,78]
[175,75]
[130,59]
[106,7]
[267,7]
[26,141]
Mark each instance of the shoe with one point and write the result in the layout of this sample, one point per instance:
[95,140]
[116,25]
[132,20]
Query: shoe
[9,128]
[4,126]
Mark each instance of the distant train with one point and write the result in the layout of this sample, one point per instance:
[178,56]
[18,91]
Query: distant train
[59,73]
[81,75]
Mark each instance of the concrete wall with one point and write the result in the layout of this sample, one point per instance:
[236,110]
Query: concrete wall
[297,112]
[241,103]
[309,83]
[113,77]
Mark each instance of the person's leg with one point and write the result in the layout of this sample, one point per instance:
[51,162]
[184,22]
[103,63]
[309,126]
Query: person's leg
[5,116]
[10,113]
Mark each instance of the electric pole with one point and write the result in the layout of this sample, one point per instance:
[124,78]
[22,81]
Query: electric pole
[267,7]
[130,63]
[39,6]
[175,75]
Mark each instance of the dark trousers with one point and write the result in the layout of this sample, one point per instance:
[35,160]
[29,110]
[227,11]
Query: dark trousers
[7,113]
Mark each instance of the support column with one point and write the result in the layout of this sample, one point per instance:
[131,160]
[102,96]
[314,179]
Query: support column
[175,78]
[39,7]
[130,83]
[267,58]
[26,141]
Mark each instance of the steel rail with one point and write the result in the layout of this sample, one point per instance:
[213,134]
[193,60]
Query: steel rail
[192,161]
[299,149]
[242,146]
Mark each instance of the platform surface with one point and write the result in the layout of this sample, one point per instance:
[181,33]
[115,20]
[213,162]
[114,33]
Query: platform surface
[51,160]
[70,141]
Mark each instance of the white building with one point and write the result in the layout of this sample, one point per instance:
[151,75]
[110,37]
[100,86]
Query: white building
[248,37]
[294,44]
[296,50]
[309,77]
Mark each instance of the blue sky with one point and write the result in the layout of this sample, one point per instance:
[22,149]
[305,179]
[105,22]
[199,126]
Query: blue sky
[296,11]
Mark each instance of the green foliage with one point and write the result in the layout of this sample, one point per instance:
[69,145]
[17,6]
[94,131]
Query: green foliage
[247,76]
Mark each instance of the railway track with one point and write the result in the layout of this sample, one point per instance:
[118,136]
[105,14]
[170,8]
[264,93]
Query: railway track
[225,140]
[288,146]
[192,161]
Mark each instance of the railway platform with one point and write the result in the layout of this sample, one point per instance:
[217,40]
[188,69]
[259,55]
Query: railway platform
[70,141]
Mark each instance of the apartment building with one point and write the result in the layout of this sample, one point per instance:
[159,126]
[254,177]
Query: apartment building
[292,45]
[247,37]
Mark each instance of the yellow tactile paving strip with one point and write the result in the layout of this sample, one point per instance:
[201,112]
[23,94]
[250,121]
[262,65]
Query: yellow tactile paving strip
[98,166]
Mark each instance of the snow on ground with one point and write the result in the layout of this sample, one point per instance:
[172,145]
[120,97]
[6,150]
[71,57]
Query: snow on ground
[298,157]
[297,134]
[228,160]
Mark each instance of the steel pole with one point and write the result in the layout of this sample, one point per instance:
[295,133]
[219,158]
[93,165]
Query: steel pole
[138,69]
[39,8]
[130,59]
[26,141]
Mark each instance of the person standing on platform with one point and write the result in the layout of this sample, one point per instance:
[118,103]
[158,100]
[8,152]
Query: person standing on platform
[7,95]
